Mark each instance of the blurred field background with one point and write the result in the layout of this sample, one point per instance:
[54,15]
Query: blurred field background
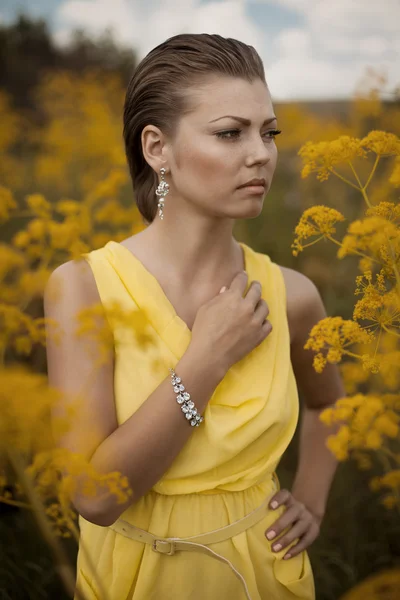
[61,139]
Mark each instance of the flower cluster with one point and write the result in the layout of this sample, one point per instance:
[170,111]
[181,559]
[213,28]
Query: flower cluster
[332,337]
[317,221]
[375,238]
[367,420]
[369,341]
[323,156]
[33,429]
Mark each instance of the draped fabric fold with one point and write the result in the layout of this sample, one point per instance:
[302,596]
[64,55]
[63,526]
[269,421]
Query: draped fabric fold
[225,469]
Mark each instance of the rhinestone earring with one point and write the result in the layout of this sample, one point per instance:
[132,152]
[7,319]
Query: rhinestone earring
[161,191]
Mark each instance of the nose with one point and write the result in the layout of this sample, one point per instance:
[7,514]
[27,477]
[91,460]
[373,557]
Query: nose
[259,151]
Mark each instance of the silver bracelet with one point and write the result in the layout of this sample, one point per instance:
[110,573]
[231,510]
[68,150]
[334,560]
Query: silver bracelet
[183,399]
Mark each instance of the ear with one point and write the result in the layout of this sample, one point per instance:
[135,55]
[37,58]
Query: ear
[154,147]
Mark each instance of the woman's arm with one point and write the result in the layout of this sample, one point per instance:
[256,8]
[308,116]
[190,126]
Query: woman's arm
[145,445]
[317,465]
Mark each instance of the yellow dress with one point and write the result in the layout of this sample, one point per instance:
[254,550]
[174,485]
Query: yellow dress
[222,473]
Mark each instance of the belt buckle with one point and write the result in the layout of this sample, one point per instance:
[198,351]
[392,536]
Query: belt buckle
[171,550]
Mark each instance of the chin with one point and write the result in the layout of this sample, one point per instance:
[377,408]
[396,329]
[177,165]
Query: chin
[248,210]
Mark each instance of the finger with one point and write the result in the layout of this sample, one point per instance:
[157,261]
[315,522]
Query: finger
[290,516]
[297,531]
[305,541]
[281,497]
[261,311]
[253,294]
[239,282]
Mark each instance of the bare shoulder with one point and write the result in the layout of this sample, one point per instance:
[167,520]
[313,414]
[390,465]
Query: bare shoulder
[72,279]
[303,301]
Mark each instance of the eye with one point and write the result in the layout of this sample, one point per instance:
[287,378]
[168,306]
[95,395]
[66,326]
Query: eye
[224,134]
[274,132]
[233,134]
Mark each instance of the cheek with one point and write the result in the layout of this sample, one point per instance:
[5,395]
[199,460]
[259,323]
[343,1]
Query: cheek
[206,162]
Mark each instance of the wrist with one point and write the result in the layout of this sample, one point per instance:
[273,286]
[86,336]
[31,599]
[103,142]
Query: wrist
[212,369]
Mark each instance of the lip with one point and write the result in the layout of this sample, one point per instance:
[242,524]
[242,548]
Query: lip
[253,189]
[254,183]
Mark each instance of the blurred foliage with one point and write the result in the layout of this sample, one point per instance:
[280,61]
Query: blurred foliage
[65,190]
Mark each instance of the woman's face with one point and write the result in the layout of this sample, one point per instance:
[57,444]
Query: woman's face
[213,154]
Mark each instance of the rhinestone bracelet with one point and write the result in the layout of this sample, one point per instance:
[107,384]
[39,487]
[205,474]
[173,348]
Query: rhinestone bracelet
[183,399]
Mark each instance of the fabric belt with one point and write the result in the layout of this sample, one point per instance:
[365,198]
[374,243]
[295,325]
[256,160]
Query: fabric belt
[196,543]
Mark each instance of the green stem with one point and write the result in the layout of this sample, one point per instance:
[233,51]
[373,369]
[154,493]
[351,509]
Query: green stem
[11,502]
[377,342]
[344,179]
[361,188]
[372,171]
[321,237]
[355,175]
[390,331]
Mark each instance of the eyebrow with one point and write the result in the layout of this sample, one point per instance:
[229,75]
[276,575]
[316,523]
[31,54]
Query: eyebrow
[243,120]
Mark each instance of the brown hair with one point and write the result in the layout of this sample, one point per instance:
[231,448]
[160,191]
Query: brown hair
[158,94]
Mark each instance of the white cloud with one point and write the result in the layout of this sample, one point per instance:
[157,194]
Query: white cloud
[328,56]
[325,58]
[294,42]
[144,27]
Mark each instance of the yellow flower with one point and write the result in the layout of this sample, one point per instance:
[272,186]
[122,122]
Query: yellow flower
[11,261]
[386,210]
[377,237]
[364,462]
[353,375]
[7,203]
[339,444]
[370,363]
[370,235]
[382,143]
[315,221]
[327,416]
[68,207]
[39,205]
[62,234]
[387,425]
[337,333]
[373,440]
[321,157]
[390,501]
[21,239]
[334,355]
[37,229]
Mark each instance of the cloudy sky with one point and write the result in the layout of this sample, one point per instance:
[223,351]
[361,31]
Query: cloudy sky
[311,49]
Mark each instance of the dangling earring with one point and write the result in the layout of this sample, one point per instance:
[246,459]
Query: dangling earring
[161,191]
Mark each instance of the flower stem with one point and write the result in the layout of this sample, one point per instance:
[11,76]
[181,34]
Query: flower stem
[62,564]
[372,171]
[344,179]
[361,188]
[390,330]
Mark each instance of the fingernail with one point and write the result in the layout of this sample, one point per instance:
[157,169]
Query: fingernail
[274,504]
[271,535]
[287,556]
[222,289]
[277,547]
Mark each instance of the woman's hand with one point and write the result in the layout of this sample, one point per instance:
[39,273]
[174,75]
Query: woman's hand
[303,524]
[232,323]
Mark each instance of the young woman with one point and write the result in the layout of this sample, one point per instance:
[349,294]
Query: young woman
[228,325]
